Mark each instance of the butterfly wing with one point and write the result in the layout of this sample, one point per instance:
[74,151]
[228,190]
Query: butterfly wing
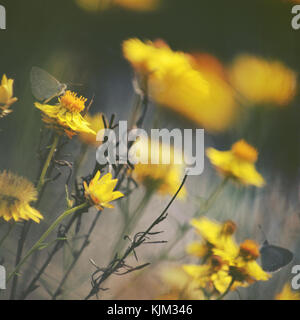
[43,85]
[273,258]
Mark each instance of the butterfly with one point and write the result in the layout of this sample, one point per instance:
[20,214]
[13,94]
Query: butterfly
[273,257]
[44,86]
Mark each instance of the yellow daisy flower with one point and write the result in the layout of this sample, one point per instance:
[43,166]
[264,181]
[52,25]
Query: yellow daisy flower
[287,293]
[66,115]
[162,177]
[176,82]
[96,124]
[225,260]
[16,194]
[6,96]
[241,261]
[214,234]
[100,191]
[263,81]
[237,163]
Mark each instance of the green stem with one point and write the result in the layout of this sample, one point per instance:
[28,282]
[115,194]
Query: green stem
[227,290]
[43,237]
[42,179]
[27,224]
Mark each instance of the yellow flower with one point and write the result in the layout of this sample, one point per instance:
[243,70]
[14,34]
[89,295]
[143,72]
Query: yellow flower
[214,234]
[179,285]
[138,5]
[66,115]
[241,260]
[16,194]
[165,178]
[176,83]
[237,163]
[96,124]
[6,96]
[135,5]
[288,293]
[100,191]
[224,259]
[211,276]
[263,81]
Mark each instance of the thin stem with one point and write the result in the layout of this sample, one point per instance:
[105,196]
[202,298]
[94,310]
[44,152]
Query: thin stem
[118,263]
[227,290]
[56,248]
[27,224]
[132,222]
[38,244]
[78,254]
[208,204]
[42,179]
[6,234]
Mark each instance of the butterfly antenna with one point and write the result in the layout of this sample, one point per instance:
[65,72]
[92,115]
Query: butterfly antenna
[263,233]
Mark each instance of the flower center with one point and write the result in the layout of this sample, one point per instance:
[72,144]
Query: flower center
[229,227]
[244,151]
[10,200]
[71,102]
[249,250]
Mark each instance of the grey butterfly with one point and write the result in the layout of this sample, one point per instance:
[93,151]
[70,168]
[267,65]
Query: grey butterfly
[44,86]
[273,257]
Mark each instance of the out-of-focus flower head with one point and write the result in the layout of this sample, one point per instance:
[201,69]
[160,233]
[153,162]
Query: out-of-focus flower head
[96,124]
[66,115]
[237,163]
[214,235]
[287,293]
[134,5]
[176,81]
[225,260]
[262,81]
[6,96]
[178,285]
[100,191]
[16,194]
[165,175]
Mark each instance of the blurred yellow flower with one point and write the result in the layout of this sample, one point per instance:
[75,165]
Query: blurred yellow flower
[241,260]
[226,263]
[175,82]
[6,96]
[16,194]
[179,285]
[66,115]
[96,124]
[134,5]
[263,81]
[211,276]
[287,293]
[138,5]
[237,163]
[100,191]
[164,178]
[214,235]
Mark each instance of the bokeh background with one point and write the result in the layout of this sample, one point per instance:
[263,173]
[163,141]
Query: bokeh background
[83,49]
